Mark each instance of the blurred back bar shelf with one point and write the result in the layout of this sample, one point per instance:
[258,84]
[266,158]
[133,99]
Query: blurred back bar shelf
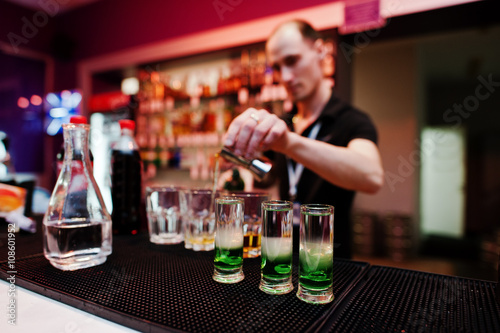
[184,106]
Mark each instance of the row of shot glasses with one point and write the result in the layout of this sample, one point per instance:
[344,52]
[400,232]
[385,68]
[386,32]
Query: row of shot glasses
[242,225]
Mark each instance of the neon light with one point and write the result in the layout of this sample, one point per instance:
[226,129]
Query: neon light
[53,100]
[36,100]
[76,98]
[65,94]
[54,127]
[23,102]
[58,112]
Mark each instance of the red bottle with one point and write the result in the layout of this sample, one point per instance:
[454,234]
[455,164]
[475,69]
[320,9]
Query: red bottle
[126,181]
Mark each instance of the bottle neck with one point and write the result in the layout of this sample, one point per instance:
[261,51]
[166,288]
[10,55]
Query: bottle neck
[76,142]
[126,141]
[128,132]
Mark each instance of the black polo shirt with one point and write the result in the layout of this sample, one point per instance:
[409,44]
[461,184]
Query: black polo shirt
[340,123]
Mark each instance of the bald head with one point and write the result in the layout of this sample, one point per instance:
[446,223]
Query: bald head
[303,27]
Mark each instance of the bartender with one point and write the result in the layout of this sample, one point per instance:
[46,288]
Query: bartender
[324,150]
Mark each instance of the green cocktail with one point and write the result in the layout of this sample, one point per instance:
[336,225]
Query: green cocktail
[228,260]
[316,254]
[316,267]
[276,247]
[228,251]
[276,266]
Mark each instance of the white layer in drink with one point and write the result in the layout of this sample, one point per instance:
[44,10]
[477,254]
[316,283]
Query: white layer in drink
[316,255]
[274,247]
[229,238]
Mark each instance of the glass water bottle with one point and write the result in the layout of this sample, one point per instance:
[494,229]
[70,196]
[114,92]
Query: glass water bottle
[76,226]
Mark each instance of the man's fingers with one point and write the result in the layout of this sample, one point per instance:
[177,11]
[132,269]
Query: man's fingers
[259,132]
[274,134]
[253,130]
[247,131]
[235,127]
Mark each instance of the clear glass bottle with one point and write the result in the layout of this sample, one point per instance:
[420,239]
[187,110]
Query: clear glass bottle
[76,226]
[60,154]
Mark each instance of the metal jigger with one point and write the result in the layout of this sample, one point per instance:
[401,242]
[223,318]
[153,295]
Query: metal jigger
[257,167]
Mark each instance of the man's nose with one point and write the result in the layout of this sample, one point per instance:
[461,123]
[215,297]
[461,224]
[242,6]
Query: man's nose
[286,74]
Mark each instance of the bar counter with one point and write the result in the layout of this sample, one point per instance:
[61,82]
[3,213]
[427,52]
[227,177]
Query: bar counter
[157,288]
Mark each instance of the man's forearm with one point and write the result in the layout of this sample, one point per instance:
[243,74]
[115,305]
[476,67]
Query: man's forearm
[356,167]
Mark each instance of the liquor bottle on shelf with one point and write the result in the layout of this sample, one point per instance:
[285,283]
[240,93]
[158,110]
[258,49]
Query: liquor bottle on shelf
[158,86]
[221,88]
[261,67]
[126,181]
[162,148]
[149,153]
[146,86]
[235,183]
[245,63]
[174,157]
[253,69]
[236,75]
[158,94]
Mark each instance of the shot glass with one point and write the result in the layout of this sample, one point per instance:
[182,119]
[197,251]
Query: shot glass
[252,224]
[277,247]
[316,254]
[165,207]
[200,222]
[228,261]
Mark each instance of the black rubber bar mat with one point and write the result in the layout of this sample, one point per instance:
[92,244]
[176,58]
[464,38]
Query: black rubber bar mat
[153,288]
[397,300]
[22,244]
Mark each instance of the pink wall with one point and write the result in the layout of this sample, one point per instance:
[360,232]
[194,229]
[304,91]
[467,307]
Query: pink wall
[16,26]
[112,25]
[109,26]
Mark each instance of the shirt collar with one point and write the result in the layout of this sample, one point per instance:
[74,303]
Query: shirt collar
[331,109]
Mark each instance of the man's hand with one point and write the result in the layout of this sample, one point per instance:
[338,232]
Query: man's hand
[255,130]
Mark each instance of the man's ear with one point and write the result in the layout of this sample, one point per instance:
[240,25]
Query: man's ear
[319,47]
